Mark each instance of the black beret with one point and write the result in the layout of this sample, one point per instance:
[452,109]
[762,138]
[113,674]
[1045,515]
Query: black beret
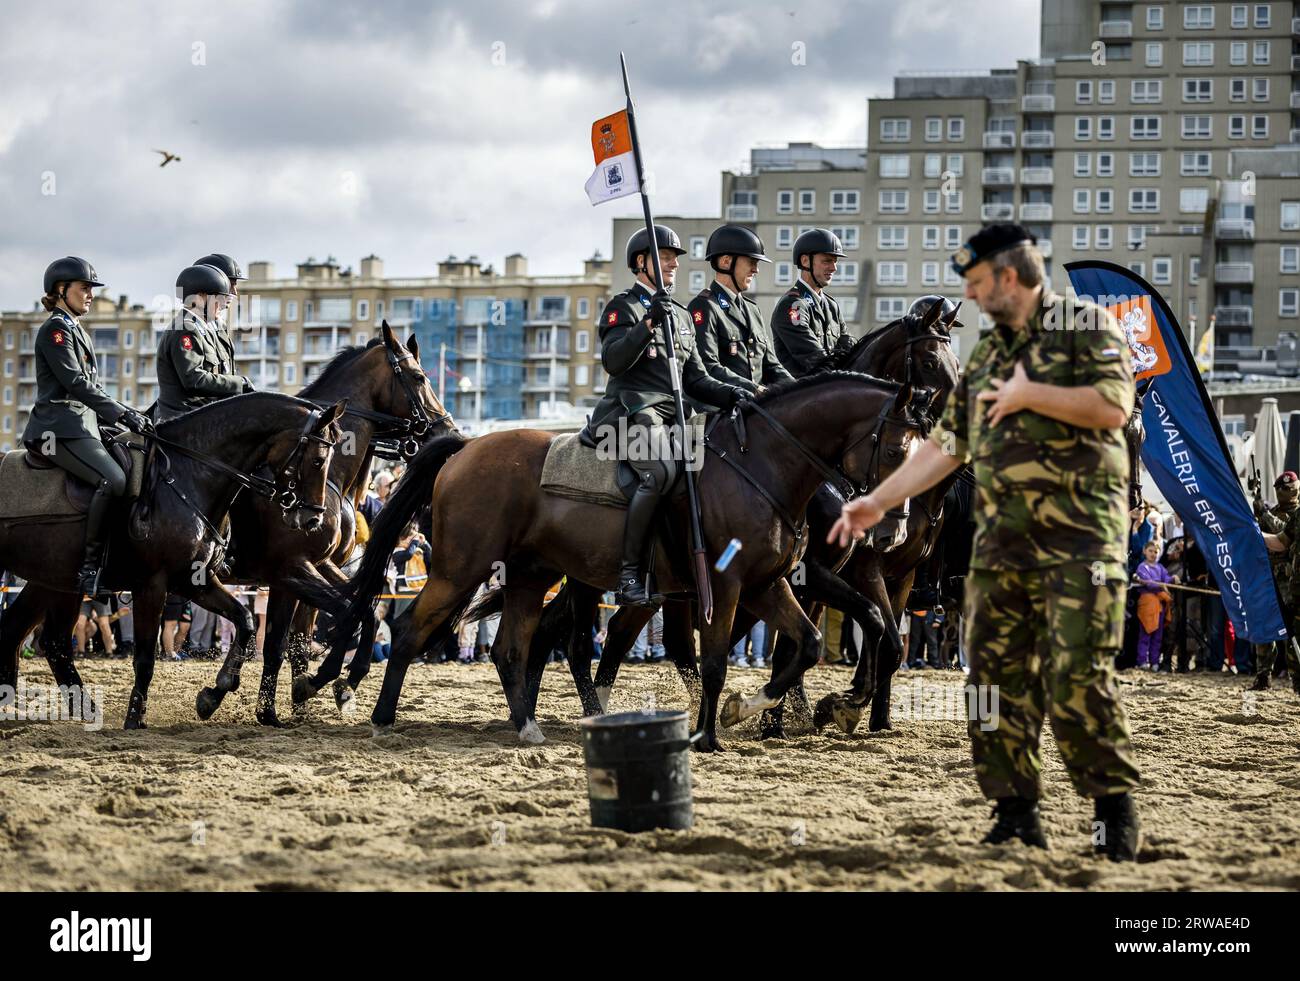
[989,241]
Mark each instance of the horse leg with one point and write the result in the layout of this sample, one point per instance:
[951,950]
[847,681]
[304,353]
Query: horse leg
[584,603]
[280,609]
[302,627]
[781,610]
[306,686]
[60,650]
[679,644]
[715,638]
[20,618]
[214,598]
[510,654]
[437,601]
[345,693]
[620,634]
[146,613]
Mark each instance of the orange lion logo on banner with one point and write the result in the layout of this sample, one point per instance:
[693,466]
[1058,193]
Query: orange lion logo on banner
[1138,323]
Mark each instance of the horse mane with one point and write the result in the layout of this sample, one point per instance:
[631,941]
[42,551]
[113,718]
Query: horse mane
[780,389]
[839,359]
[220,405]
[340,361]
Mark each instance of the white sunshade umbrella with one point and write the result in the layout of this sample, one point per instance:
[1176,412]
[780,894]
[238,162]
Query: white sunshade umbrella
[1270,447]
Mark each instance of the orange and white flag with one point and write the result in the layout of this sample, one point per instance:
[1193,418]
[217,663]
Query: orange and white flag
[615,174]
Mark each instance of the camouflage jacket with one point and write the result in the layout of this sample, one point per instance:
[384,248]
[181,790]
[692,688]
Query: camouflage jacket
[1284,564]
[1046,492]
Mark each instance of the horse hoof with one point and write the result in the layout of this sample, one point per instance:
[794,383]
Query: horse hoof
[207,702]
[602,696]
[707,744]
[134,724]
[531,733]
[731,711]
[270,720]
[345,699]
[303,689]
[377,730]
[348,706]
[773,732]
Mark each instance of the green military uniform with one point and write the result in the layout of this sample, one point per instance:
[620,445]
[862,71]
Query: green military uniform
[1283,520]
[69,397]
[733,340]
[1045,596]
[195,366]
[806,326]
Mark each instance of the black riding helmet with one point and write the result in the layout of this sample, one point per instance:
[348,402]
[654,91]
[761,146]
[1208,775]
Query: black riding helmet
[202,278]
[817,240]
[640,242]
[225,263]
[69,269]
[735,240]
[922,306]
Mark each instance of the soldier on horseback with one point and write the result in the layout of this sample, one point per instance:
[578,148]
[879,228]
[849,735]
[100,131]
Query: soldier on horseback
[195,364]
[222,326]
[806,321]
[63,427]
[734,343]
[640,391]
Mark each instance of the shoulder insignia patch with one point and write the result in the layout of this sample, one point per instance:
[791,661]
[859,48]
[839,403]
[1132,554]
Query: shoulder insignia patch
[612,319]
[698,316]
[794,313]
[57,337]
[186,342]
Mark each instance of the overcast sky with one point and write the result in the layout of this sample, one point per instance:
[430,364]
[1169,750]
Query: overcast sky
[416,130]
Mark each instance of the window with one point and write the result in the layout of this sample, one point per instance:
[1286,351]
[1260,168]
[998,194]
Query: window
[697,280]
[1261,15]
[581,375]
[1120,52]
[848,235]
[363,309]
[291,310]
[807,201]
[1105,200]
[1237,53]
[1196,127]
[1259,90]
[1194,270]
[1289,220]
[1236,127]
[1138,267]
[846,273]
[1195,164]
[582,339]
[849,308]
[1083,165]
[9,399]
[956,129]
[1155,54]
[290,373]
[782,275]
[933,129]
[933,164]
[1237,89]
[1259,127]
[1197,53]
[930,202]
[785,202]
[128,338]
[1082,200]
[1146,90]
[1082,234]
[1288,303]
[951,278]
[1199,18]
[1083,127]
[895,130]
[893,165]
[307,312]
[1239,14]
[697,246]
[1162,270]
[893,202]
[1105,127]
[952,234]
[1261,53]
[1144,127]
[1137,236]
[1144,165]
[1104,236]
[952,203]
[1198,90]
[1083,93]
[890,307]
[1289,259]
[784,236]
[584,308]
[1155,18]
[956,164]
[379,310]
[1106,90]
[1105,165]
[845,202]
[891,236]
[929,274]
[291,342]
[930,237]
[1193,199]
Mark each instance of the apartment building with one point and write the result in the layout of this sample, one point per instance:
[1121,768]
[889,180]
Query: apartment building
[496,344]
[693,271]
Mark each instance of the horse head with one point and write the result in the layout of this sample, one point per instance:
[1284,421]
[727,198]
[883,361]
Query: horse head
[299,464]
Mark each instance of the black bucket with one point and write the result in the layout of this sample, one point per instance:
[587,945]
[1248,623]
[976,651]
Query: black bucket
[639,770]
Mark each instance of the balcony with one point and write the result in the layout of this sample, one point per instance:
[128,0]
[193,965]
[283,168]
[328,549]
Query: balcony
[999,141]
[1115,29]
[562,354]
[544,385]
[1038,103]
[1234,228]
[1038,139]
[1295,62]
[1036,175]
[742,212]
[1035,212]
[317,352]
[1295,103]
[997,212]
[1294,137]
[1045,247]
[1234,272]
[998,176]
[1234,316]
[1295,26]
[256,349]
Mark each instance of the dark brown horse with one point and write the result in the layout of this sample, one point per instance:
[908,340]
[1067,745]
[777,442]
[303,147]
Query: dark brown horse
[488,508]
[274,445]
[388,397]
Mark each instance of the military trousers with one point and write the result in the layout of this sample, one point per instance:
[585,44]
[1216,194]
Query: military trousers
[1045,641]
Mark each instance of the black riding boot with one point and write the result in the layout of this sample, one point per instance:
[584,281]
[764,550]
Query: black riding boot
[88,577]
[640,518]
[1017,817]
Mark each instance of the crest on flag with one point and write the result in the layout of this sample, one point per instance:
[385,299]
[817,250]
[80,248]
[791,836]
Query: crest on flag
[1146,346]
[615,174]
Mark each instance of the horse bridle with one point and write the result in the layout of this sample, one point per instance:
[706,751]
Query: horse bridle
[288,498]
[887,417]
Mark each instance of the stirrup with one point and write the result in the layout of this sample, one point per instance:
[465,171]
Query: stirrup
[634,592]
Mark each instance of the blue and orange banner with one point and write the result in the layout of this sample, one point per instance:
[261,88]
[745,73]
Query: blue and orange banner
[1184,450]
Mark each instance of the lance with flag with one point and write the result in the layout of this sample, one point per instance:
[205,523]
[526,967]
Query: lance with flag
[620,171]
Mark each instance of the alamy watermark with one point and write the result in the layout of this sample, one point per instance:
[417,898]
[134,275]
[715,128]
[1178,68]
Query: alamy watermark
[647,444]
[44,703]
[920,701]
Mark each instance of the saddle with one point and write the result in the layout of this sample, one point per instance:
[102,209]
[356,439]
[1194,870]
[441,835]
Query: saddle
[38,491]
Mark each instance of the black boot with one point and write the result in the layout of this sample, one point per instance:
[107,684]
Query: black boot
[1121,832]
[88,576]
[1261,682]
[640,518]
[1017,817]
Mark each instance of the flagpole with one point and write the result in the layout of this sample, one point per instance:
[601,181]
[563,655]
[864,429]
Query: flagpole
[701,563]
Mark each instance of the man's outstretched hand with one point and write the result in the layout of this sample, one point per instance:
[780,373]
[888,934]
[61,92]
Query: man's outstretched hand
[856,517]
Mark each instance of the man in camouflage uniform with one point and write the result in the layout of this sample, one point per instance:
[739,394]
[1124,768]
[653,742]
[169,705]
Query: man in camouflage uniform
[1281,525]
[1040,413]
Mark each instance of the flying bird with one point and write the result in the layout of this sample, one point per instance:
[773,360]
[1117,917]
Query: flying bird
[167,157]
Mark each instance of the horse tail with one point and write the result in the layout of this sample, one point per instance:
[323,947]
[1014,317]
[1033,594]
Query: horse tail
[412,493]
